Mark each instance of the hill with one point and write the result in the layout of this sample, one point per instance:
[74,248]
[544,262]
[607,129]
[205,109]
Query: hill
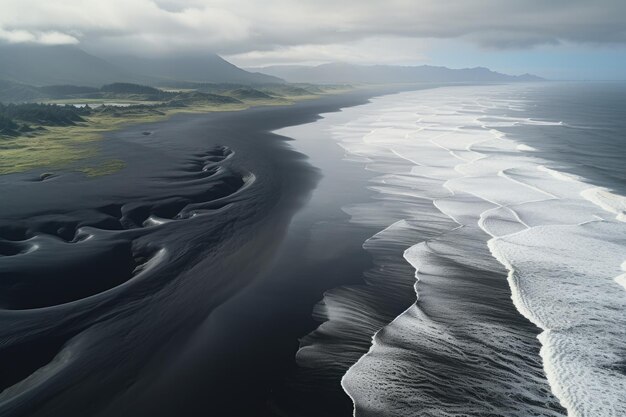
[58,65]
[19,93]
[247,93]
[41,65]
[386,74]
[60,91]
[209,68]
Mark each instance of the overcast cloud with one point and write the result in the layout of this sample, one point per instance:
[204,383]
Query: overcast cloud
[309,30]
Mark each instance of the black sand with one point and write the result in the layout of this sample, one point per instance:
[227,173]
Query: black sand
[180,285]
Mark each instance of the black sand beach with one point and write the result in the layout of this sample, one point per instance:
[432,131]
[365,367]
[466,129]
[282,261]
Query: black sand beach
[180,284]
[194,281]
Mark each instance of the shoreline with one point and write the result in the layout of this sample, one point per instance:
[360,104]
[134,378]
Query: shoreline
[268,219]
[443,348]
[173,159]
[460,314]
[68,147]
[259,329]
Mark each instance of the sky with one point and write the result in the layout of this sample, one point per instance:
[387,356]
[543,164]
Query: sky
[558,39]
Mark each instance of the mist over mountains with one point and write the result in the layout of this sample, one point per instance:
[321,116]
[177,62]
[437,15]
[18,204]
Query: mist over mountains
[208,68]
[41,65]
[26,67]
[386,74]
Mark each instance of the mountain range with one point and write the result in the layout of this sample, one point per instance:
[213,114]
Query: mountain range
[206,68]
[385,74]
[26,67]
[41,65]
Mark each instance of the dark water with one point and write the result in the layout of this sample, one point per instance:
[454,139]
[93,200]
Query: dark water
[592,141]
[463,348]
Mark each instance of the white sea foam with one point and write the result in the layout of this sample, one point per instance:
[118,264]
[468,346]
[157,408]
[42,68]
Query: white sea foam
[562,240]
[522,147]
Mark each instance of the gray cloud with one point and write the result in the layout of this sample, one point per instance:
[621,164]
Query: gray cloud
[254,29]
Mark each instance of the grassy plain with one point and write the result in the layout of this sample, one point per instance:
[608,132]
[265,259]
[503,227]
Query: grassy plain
[70,147]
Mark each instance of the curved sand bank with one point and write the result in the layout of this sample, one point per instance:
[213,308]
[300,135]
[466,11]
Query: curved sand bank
[108,283]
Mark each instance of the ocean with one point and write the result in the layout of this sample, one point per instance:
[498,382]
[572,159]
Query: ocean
[506,204]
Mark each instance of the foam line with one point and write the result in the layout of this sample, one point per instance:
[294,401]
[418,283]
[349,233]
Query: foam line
[462,342]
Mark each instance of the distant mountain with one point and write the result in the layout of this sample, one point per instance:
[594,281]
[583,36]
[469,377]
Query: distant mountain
[385,74]
[45,65]
[41,65]
[208,68]
[11,92]
[247,93]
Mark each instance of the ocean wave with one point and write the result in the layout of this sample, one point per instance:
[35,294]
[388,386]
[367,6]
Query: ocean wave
[463,348]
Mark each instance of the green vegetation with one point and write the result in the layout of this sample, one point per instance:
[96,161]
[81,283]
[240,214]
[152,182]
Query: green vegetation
[63,147]
[44,114]
[18,93]
[7,126]
[104,168]
[248,93]
[55,136]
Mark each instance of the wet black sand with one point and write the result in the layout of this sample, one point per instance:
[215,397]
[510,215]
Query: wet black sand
[180,285]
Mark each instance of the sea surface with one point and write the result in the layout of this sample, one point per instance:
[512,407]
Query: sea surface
[501,239]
